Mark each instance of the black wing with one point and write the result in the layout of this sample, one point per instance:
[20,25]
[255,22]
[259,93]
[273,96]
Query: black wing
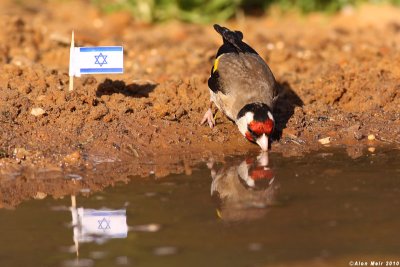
[232,44]
[214,83]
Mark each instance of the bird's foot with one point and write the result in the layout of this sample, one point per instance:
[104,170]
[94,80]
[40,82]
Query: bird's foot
[209,118]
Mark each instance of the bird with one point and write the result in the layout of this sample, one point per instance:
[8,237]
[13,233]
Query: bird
[245,189]
[243,87]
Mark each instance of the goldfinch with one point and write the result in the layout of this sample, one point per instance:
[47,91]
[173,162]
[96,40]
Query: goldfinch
[243,87]
[245,189]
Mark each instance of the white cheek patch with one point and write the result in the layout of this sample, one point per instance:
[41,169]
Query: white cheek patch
[249,117]
[242,125]
[244,121]
[243,171]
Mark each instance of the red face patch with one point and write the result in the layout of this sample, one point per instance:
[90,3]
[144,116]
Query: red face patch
[259,128]
[261,173]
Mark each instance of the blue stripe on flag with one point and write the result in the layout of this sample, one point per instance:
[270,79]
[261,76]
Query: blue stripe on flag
[102,70]
[100,49]
[105,214]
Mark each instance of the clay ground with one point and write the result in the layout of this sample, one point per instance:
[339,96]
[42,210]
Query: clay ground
[339,77]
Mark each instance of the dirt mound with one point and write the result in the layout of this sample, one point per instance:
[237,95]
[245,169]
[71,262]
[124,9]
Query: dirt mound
[339,81]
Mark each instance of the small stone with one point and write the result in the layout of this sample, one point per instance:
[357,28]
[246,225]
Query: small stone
[20,153]
[37,111]
[324,141]
[73,177]
[40,195]
[73,157]
[371,149]
[270,46]
[371,137]
[358,135]
[131,150]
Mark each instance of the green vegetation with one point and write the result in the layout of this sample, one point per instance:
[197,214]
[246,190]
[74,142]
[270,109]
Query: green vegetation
[202,11]
[187,10]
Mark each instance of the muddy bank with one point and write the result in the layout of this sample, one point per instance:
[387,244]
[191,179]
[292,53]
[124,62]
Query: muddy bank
[339,77]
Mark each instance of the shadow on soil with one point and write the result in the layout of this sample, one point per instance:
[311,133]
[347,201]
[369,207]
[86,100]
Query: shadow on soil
[287,101]
[139,89]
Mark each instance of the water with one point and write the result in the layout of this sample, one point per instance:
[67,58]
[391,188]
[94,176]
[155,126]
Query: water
[321,208]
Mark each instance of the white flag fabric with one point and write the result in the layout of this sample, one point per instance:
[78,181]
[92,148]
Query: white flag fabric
[96,60]
[98,225]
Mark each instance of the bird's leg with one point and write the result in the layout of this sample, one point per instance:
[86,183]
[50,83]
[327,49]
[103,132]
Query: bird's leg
[210,166]
[208,116]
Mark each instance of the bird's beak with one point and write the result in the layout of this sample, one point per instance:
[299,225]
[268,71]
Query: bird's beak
[263,142]
[263,159]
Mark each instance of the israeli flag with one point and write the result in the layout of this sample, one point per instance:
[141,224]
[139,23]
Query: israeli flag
[96,60]
[98,225]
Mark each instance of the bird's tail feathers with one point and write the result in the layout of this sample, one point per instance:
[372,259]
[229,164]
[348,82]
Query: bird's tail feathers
[233,40]
[233,37]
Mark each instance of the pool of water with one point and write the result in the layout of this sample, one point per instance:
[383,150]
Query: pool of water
[323,208]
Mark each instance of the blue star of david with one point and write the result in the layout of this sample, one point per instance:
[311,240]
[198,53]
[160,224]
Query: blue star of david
[104,224]
[101,60]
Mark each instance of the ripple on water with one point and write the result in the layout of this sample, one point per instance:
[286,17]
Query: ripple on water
[153,227]
[122,260]
[165,251]
[79,263]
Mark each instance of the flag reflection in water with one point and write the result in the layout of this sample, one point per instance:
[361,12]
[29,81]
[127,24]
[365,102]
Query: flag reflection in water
[91,225]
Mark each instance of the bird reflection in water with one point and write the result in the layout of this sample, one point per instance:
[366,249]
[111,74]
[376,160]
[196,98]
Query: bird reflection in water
[245,190]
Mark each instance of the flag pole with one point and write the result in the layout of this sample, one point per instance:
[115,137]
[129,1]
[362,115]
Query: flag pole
[73,209]
[73,201]
[71,55]
[77,248]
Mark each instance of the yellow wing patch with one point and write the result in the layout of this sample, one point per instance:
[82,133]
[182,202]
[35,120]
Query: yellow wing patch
[219,213]
[216,62]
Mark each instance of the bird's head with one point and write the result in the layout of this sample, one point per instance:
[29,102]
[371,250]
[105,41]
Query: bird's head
[256,123]
[255,174]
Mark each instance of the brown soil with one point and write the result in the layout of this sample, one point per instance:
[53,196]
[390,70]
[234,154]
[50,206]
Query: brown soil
[339,75]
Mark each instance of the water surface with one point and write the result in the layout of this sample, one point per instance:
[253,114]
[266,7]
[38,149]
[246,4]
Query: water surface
[324,207]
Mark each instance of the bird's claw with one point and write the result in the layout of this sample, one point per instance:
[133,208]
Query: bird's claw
[209,118]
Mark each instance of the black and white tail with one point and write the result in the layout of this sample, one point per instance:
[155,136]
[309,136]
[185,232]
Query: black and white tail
[232,41]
